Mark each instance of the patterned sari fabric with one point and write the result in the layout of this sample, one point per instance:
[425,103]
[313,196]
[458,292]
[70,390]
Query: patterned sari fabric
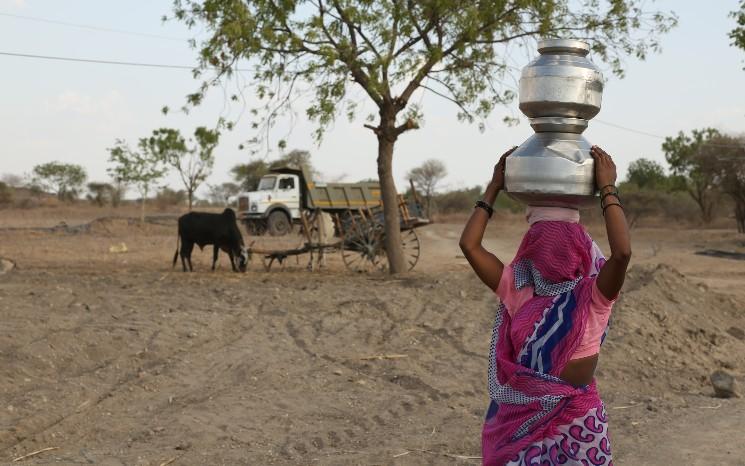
[534,417]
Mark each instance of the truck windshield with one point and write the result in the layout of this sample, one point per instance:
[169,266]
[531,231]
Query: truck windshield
[267,183]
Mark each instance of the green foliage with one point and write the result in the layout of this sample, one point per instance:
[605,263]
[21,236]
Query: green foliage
[738,33]
[141,168]
[646,173]
[694,168]
[193,164]
[454,49]
[64,179]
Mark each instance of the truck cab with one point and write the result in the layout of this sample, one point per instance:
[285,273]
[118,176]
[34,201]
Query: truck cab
[274,206]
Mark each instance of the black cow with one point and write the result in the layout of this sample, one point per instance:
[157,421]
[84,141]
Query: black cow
[220,230]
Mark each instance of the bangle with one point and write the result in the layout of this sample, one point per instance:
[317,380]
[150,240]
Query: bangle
[484,206]
[608,186]
[608,205]
[612,193]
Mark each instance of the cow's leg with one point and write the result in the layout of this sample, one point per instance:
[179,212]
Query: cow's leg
[189,250]
[232,260]
[214,256]
[183,253]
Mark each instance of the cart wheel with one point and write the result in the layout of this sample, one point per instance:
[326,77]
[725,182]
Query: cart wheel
[278,223]
[411,247]
[362,248]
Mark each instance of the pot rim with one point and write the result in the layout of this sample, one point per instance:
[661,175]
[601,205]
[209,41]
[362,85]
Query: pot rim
[574,46]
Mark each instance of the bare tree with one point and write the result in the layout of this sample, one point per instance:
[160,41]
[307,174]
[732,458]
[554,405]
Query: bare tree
[426,177]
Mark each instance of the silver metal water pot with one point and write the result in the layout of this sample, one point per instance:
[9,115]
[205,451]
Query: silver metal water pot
[560,91]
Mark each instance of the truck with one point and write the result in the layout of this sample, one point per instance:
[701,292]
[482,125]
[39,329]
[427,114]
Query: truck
[285,192]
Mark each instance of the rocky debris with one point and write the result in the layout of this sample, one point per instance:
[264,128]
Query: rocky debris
[6,265]
[724,384]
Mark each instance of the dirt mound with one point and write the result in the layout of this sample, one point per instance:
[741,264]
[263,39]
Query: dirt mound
[668,333]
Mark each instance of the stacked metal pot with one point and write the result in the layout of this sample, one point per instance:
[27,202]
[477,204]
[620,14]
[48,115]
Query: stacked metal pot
[560,91]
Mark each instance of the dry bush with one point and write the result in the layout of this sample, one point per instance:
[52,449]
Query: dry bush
[168,198]
[6,195]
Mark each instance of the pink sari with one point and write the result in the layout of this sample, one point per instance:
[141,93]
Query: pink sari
[534,417]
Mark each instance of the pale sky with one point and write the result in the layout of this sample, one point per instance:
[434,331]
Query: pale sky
[71,112]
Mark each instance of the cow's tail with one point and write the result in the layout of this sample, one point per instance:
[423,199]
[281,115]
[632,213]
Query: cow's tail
[175,255]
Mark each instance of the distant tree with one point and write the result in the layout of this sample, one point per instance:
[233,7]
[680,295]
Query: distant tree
[100,193]
[687,160]
[247,175]
[390,49]
[646,173]
[219,194]
[727,156]
[12,180]
[426,177]
[118,191]
[141,168]
[193,164]
[296,158]
[63,179]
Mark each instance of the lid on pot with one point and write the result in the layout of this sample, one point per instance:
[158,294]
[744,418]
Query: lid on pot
[572,46]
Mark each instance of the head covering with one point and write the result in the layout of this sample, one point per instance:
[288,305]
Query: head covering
[535,214]
[560,251]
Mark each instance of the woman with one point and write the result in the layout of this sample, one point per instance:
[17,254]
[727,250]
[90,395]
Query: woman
[556,298]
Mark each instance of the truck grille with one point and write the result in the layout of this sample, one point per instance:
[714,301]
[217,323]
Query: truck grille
[243,204]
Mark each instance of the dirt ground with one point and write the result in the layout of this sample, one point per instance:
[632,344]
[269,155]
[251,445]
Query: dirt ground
[116,359]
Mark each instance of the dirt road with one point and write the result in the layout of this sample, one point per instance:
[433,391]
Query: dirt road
[117,359]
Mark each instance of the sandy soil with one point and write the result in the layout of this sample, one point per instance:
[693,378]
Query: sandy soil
[116,359]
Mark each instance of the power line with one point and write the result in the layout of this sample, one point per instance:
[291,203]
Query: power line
[644,133]
[92,28]
[89,60]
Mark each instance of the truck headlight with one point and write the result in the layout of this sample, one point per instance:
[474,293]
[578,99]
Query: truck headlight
[254,207]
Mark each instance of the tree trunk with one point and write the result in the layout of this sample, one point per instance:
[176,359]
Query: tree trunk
[389,195]
[701,199]
[191,197]
[740,215]
[142,207]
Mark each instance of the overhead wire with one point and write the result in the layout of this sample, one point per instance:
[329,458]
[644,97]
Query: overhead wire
[92,28]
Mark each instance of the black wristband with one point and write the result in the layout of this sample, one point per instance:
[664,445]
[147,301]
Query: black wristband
[484,206]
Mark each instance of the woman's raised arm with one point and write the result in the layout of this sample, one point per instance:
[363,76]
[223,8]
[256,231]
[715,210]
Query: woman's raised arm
[485,264]
[613,273]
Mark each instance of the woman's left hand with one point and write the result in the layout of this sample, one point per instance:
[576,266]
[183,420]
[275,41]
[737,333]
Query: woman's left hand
[497,179]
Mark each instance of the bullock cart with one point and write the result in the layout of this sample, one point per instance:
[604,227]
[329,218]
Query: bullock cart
[353,226]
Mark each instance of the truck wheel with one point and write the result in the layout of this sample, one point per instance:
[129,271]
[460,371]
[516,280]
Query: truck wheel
[278,223]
